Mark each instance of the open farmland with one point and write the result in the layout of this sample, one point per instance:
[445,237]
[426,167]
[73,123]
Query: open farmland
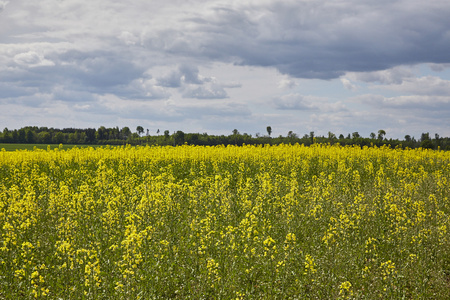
[248,222]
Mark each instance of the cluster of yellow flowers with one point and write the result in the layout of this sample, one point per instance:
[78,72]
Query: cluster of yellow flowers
[225,222]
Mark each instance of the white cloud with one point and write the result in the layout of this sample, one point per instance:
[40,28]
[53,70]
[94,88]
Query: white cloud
[439,104]
[128,38]
[287,83]
[296,101]
[348,84]
[428,85]
[3,4]
[394,75]
[210,91]
[32,59]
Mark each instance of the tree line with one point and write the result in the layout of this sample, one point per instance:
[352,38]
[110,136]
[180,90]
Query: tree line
[116,136]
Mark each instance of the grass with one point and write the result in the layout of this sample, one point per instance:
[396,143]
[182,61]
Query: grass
[29,147]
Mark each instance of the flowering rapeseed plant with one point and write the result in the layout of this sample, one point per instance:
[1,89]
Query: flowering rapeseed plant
[284,221]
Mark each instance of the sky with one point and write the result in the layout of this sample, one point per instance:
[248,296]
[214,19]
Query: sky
[339,66]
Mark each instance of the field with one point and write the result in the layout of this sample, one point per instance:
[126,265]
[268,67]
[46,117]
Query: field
[322,222]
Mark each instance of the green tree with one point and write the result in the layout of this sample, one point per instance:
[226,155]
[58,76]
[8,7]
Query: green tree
[269,130]
[44,137]
[29,136]
[381,134]
[437,139]
[125,132]
[292,135]
[22,136]
[90,135]
[235,135]
[427,144]
[59,138]
[6,136]
[72,138]
[179,138]
[331,136]
[101,134]
[140,130]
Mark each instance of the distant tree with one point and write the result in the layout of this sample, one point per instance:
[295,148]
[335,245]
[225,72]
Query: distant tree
[292,135]
[179,137]
[90,135]
[235,135]
[311,136]
[381,134]
[193,138]
[269,130]
[425,136]
[407,138]
[82,137]
[341,136]
[29,136]
[427,144]
[139,130]
[125,132]
[331,136]
[71,139]
[166,134]
[22,138]
[437,139]
[44,137]
[6,136]
[59,138]
[101,134]
[355,135]
[373,135]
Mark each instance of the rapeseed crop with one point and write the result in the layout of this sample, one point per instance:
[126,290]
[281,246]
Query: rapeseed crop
[287,221]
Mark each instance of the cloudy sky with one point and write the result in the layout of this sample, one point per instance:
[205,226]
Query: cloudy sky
[214,66]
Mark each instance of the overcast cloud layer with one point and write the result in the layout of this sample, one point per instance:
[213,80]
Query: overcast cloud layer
[213,66]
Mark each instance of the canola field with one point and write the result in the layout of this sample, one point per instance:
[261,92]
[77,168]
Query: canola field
[272,222]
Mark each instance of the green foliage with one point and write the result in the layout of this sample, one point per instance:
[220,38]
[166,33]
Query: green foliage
[116,136]
[253,222]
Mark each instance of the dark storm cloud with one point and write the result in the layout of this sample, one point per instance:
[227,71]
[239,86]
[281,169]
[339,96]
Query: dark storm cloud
[9,91]
[74,75]
[319,39]
[99,70]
